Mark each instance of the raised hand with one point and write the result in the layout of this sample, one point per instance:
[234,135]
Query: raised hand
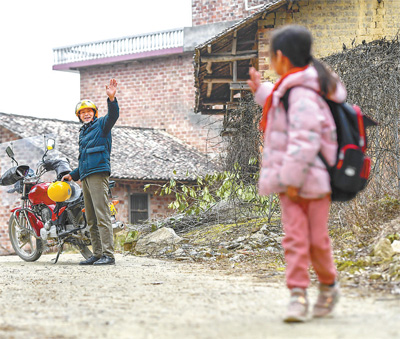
[255,79]
[111,89]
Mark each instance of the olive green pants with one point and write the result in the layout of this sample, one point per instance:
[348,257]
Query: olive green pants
[95,194]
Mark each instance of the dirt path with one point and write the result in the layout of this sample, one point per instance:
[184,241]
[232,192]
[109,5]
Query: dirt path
[147,298]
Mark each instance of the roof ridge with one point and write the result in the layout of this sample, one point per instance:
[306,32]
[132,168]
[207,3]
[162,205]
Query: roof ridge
[38,118]
[75,122]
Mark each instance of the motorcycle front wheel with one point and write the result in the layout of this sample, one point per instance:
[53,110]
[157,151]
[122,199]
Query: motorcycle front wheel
[25,245]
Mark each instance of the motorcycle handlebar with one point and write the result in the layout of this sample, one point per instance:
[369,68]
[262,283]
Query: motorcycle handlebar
[13,175]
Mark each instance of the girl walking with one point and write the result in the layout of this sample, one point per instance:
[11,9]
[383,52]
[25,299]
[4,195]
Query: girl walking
[291,165]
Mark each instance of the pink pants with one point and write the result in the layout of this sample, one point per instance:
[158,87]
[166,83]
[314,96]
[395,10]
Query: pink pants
[307,240]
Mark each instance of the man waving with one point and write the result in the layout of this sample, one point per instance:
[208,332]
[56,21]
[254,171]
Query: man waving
[94,171]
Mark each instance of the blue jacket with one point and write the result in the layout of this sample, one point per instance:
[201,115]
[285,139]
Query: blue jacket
[95,144]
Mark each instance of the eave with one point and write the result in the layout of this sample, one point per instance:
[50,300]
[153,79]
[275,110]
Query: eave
[222,63]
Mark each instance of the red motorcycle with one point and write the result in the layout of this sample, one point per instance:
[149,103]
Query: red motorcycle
[40,223]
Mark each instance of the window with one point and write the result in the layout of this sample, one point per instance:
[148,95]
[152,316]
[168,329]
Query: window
[139,208]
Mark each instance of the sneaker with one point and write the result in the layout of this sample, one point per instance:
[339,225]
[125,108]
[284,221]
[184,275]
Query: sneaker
[327,299]
[298,306]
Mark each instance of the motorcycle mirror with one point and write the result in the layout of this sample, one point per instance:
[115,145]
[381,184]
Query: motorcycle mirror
[10,153]
[50,144]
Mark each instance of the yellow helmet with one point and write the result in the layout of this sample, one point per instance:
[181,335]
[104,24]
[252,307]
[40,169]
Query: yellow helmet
[86,104]
[59,191]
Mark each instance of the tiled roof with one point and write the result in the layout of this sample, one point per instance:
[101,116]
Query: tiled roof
[137,153]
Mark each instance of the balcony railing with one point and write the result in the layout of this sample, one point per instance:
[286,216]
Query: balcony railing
[117,47]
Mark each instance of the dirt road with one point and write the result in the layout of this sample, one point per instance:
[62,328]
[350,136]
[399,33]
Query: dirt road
[147,298]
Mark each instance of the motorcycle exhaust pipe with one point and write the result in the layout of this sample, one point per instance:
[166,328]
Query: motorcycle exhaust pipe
[118,226]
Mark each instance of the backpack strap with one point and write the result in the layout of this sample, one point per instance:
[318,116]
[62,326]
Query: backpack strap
[361,129]
[285,101]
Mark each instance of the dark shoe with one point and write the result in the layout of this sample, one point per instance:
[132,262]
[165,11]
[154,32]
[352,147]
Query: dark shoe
[105,260]
[89,261]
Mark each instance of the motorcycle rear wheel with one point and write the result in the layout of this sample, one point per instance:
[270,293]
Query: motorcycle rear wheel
[25,245]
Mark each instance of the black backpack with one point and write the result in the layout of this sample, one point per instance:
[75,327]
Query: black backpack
[351,171]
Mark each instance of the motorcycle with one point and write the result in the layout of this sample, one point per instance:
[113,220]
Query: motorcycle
[41,223]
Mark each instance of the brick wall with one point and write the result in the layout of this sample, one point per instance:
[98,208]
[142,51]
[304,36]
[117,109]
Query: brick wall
[158,204]
[333,25]
[26,154]
[157,93]
[213,11]
[7,201]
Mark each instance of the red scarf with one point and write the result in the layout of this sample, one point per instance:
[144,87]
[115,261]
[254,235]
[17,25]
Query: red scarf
[268,103]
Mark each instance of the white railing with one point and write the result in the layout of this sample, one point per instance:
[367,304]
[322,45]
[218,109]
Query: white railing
[116,47]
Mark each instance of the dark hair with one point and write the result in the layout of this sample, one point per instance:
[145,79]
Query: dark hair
[295,43]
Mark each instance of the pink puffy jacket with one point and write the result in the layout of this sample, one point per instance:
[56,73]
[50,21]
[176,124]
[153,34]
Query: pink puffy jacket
[292,140]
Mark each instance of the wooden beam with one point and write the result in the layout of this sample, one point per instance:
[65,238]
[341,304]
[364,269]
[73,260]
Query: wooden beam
[239,86]
[234,71]
[209,80]
[208,68]
[246,42]
[213,102]
[219,102]
[209,89]
[228,58]
[213,111]
[234,43]
[234,65]
[209,64]
[248,51]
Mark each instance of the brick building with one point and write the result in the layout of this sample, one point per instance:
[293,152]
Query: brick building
[224,60]
[155,73]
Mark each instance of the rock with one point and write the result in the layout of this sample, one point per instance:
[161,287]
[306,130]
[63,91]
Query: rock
[233,245]
[396,290]
[367,260]
[223,250]
[259,237]
[264,229]
[127,246]
[237,258]
[179,252]
[396,246]
[375,276]
[272,249]
[394,268]
[376,260]
[157,240]
[241,239]
[384,249]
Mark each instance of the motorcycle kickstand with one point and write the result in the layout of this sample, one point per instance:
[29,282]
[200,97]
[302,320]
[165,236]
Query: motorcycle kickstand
[60,248]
